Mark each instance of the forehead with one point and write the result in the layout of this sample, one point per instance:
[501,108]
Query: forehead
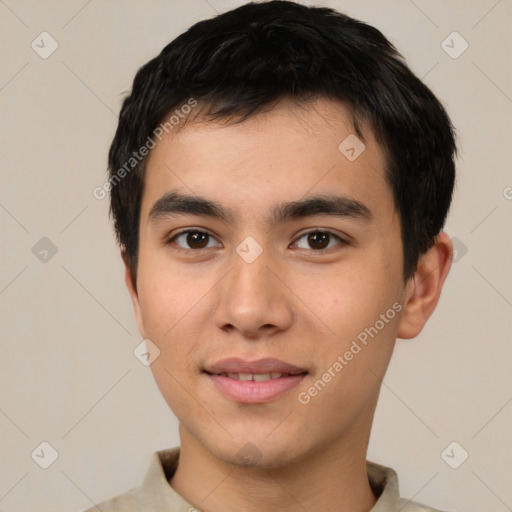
[282,154]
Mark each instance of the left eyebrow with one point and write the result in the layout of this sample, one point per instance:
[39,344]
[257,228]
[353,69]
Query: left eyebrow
[337,206]
[175,203]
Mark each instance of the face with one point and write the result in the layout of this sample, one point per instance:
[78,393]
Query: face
[239,269]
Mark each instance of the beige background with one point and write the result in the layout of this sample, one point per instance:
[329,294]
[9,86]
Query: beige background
[68,374]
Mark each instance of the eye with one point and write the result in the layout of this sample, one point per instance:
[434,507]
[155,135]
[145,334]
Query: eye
[319,240]
[195,239]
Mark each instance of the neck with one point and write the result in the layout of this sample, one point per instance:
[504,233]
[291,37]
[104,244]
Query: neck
[332,479]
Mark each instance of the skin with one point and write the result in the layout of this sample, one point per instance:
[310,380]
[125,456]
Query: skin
[294,302]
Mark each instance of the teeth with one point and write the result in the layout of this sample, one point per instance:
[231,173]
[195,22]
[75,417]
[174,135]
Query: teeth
[260,377]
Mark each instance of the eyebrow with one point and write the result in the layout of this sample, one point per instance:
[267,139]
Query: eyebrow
[175,203]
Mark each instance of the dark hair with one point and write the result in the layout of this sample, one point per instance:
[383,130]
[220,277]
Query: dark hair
[245,60]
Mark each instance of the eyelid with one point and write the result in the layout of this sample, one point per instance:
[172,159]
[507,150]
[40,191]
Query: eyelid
[321,230]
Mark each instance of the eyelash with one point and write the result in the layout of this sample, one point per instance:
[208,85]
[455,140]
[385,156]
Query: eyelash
[177,248]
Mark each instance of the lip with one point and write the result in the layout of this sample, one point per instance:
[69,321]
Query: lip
[265,365]
[254,392]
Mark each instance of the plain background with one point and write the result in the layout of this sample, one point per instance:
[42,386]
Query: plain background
[68,373]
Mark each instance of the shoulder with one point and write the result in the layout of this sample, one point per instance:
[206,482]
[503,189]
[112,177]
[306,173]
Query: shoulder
[384,483]
[412,506]
[154,493]
[125,502]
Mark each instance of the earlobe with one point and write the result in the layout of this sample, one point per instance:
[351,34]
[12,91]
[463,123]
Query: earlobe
[132,290]
[424,288]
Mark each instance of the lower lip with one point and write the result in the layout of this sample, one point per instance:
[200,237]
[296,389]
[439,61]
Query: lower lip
[255,392]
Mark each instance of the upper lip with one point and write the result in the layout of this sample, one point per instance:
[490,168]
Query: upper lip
[265,365]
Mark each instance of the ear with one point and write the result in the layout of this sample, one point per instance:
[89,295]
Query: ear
[132,290]
[424,288]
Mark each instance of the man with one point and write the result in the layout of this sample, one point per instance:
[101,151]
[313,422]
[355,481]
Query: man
[279,181]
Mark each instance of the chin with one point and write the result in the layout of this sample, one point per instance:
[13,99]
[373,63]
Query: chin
[257,452]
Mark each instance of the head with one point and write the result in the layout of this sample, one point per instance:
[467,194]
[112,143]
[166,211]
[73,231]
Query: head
[250,115]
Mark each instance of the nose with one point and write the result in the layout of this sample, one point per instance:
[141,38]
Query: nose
[252,300]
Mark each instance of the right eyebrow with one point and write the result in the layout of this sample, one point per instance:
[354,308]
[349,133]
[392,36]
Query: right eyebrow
[175,203]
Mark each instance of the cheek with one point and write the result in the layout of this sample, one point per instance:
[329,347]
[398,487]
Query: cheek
[166,296]
[360,305]
[170,308]
[350,299]
[174,308]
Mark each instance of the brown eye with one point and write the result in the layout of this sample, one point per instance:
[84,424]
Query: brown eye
[197,239]
[319,240]
[192,240]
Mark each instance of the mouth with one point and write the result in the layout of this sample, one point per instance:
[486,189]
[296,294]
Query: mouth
[259,377]
[255,382]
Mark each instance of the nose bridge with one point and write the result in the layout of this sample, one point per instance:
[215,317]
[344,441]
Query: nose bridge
[252,297]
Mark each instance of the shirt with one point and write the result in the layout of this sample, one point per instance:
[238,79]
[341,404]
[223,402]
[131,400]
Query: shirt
[155,494]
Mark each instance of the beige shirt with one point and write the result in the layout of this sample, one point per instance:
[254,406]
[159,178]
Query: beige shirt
[155,494]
